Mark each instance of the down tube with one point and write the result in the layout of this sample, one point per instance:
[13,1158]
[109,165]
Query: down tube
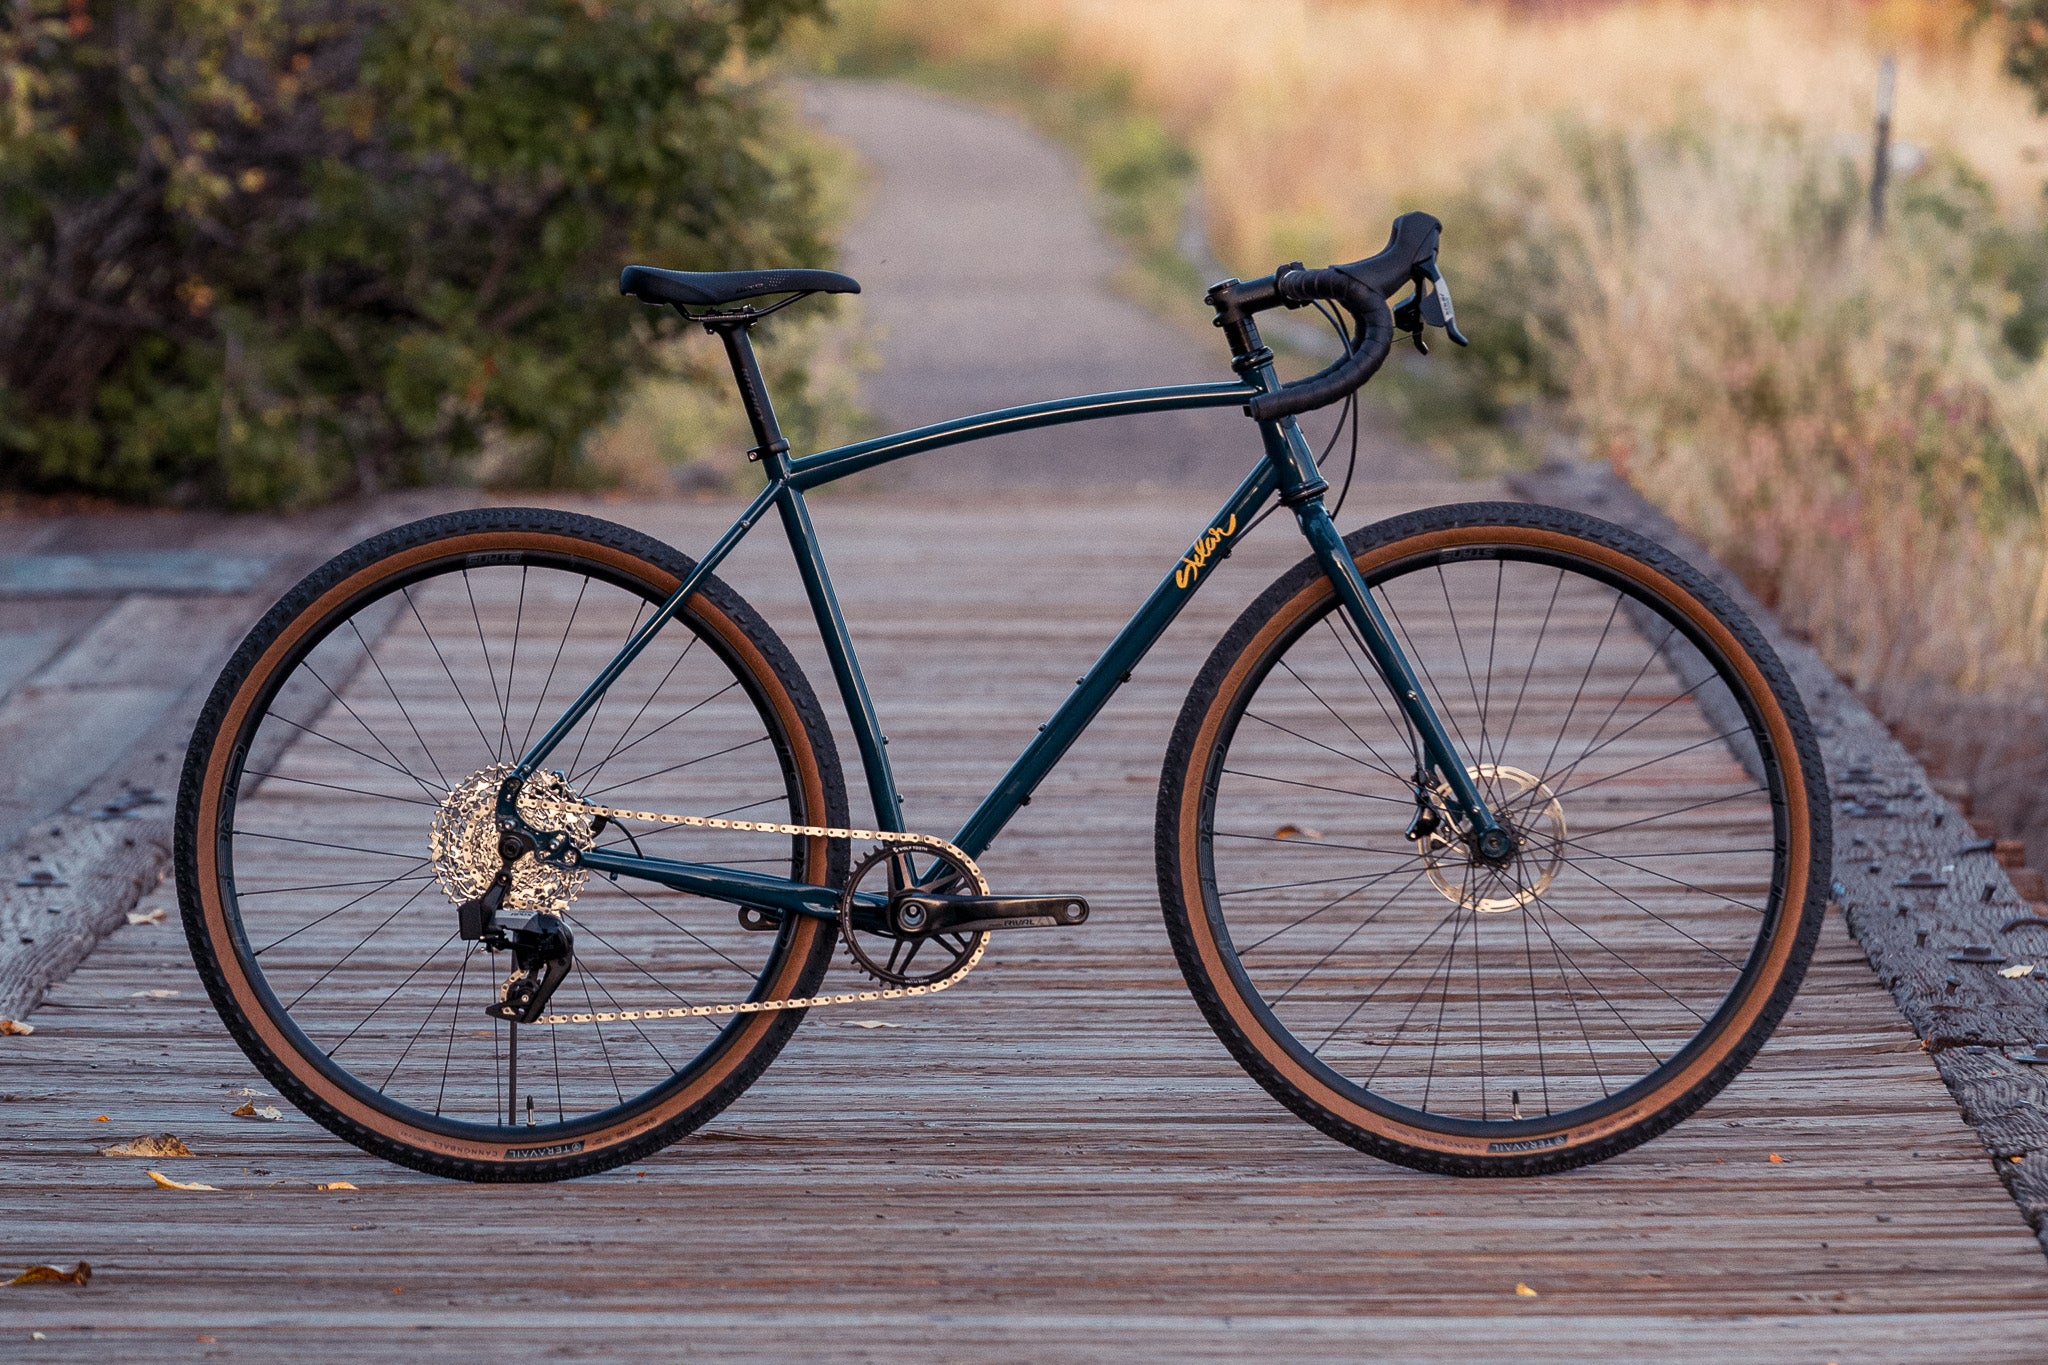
[1113,669]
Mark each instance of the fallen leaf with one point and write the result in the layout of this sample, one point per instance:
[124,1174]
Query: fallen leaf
[1777,1160]
[2015,1160]
[872,1023]
[164,1182]
[103,1119]
[269,1113]
[14,1028]
[156,916]
[2017,970]
[152,1144]
[153,995]
[206,1340]
[1297,832]
[80,1274]
[334,1185]
[1523,1291]
[37,1336]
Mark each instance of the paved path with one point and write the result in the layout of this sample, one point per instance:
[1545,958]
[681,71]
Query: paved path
[1056,1161]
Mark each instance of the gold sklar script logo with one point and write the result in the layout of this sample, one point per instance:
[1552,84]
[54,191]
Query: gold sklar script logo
[1204,550]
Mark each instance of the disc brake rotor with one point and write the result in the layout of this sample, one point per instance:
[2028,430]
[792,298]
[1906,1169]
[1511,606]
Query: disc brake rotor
[1527,807]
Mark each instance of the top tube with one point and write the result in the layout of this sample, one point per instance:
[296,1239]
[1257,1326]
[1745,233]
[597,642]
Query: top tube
[813,470]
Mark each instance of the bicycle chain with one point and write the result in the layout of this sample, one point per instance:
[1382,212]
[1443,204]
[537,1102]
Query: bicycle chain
[581,808]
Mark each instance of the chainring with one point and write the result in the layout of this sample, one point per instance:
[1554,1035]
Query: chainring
[949,948]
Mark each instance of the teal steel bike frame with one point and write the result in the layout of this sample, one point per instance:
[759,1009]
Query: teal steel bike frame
[1287,470]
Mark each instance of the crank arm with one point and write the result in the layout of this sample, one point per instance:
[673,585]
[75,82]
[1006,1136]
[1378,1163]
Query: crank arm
[928,914]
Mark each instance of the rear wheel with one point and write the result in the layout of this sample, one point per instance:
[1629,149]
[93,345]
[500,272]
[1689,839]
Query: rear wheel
[1403,994]
[355,738]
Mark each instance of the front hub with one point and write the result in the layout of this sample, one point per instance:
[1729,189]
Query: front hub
[1507,868]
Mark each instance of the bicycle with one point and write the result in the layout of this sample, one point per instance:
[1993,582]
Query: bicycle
[1492,839]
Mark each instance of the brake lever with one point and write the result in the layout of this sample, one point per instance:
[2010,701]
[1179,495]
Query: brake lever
[1439,304]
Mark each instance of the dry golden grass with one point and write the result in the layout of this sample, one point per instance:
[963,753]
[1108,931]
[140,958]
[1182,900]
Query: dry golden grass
[1315,121]
[1665,200]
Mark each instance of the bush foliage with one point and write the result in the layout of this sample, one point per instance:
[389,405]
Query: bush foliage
[263,252]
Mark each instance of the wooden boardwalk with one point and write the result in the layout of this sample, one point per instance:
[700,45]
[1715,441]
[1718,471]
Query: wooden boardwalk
[1055,1161]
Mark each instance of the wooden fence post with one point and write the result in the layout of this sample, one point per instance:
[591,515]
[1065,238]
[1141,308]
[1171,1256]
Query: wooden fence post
[1881,159]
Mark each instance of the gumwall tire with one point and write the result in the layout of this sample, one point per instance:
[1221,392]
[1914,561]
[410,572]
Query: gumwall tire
[732,628]
[1232,1005]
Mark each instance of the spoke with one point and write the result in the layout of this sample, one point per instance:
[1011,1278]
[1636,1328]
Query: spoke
[341,701]
[1379,985]
[676,767]
[1348,758]
[1385,905]
[401,877]
[355,948]
[549,681]
[491,673]
[1651,762]
[1317,881]
[1471,683]
[1420,660]
[454,1027]
[1379,761]
[590,721]
[598,766]
[1544,924]
[1595,744]
[1565,725]
[684,929]
[398,701]
[413,858]
[1590,937]
[598,982]
[1317,786]
[1535,1015]
[1326,905]
[1542,631]
[334,787]
[620,746]
[1350,647]
[287,720]
[424,962]
[1408,851]
[1450,970]
[1682,810]
[1612,890]
[428,1018]
[242,895]
[460,695]
[1660,876]
[512,670]
[628,959]
[1454,915]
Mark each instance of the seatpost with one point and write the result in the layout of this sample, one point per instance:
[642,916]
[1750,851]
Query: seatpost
[769,445]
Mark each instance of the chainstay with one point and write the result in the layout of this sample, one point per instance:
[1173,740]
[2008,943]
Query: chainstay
[951,850]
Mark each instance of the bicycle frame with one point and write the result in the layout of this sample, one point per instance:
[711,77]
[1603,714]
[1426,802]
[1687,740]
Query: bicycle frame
[1288,470]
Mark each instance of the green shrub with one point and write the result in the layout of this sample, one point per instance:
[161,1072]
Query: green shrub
[263,252]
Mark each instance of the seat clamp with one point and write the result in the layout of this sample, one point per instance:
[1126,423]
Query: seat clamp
[775,447]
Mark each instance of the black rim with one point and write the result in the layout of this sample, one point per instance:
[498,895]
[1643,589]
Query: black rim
[434,1005]
[1365,895]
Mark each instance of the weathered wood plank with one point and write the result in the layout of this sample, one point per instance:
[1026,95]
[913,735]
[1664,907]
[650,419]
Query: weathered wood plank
[1056,1160]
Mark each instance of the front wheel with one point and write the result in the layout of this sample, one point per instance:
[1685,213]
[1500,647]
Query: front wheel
[1628,725]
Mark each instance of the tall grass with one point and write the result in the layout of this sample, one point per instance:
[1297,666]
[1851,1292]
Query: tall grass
[1655,217]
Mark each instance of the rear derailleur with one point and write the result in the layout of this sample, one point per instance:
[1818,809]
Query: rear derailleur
[542,949]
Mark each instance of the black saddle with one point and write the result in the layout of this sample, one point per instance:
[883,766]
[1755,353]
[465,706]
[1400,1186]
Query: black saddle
[715,288]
